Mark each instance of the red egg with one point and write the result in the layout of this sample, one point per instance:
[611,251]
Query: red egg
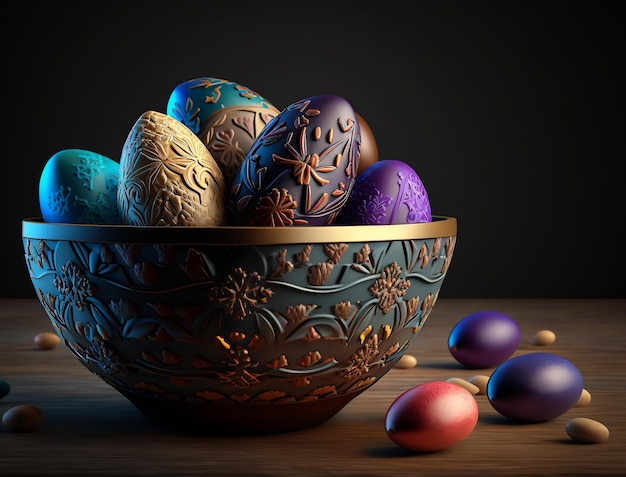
[431,416]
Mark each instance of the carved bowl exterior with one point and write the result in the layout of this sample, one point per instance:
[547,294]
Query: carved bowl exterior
[238,330]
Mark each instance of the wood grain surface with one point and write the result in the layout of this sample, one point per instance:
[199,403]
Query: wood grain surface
[91,430]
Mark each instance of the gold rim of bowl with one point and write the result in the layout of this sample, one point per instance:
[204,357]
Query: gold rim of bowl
[36,228]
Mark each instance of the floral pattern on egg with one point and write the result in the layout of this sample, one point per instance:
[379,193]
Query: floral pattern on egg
[80,187]
[226,116]
[301,168]
[168,177]
[387,192]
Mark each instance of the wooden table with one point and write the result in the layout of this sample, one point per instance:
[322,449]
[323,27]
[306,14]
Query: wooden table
[89,429]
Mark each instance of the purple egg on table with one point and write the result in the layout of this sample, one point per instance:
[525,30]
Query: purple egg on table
[484,339]
[534,387]
[387,192]
[301,168]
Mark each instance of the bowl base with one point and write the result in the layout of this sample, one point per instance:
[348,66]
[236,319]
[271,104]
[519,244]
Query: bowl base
[238,420]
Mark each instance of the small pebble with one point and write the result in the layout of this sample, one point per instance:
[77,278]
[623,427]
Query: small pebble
[5,388]
[472,388]
[583,429]
[480,380]
[407,361]
[584,399]
[47,340]
[544,338]
[22,418]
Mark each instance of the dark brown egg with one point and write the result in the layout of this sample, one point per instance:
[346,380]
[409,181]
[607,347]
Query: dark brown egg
[369,147]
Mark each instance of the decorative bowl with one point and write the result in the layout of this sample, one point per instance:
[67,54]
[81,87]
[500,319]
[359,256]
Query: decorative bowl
[238,330]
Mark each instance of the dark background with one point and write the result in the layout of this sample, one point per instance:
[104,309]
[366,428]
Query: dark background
[512,113]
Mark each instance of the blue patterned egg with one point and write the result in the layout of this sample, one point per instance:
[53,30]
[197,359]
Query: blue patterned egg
[226,116]
[301,168]
[387,192]
[79,187]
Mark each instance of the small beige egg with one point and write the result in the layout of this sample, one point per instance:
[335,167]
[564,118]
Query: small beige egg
[407,361]
[480,381]
[472,388]
[584,399]
[22,418]
[544,338]
[47,340]
[583,429]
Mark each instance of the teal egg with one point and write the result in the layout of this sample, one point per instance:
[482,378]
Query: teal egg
[79,187]
[226,116]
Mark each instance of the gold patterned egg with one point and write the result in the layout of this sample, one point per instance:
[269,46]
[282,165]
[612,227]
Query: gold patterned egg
[168,176]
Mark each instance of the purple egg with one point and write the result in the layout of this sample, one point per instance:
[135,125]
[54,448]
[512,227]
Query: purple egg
[301,168]
[534,387]
[484,339]
[387,192]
